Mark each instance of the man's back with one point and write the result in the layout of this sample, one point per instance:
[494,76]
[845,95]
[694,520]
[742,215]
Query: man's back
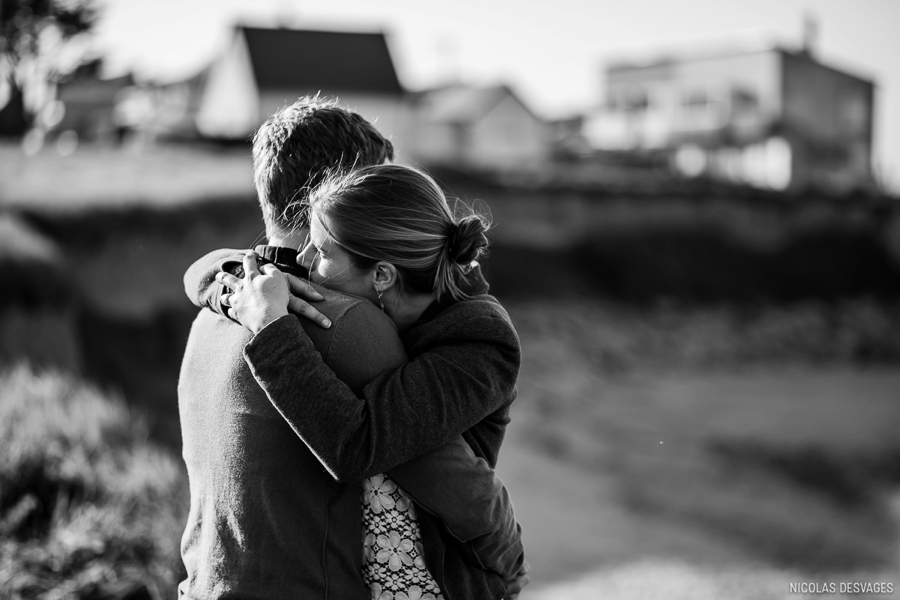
[266,519]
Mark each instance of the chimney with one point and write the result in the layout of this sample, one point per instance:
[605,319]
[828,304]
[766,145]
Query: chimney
[810,33]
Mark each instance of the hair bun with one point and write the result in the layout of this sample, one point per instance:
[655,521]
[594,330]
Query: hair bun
[467,239]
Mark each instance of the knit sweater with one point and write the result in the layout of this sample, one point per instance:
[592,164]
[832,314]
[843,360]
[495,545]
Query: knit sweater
[265,519]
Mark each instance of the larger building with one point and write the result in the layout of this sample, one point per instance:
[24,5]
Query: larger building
[265,69]
[480,127]
[261,70]
[773,118]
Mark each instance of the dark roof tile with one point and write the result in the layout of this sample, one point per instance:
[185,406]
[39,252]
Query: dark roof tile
[331,61]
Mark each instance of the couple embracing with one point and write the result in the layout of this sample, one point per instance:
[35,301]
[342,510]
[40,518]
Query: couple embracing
[345,389]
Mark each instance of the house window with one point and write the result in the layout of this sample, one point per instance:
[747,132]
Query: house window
[701,107]
[613,102]
[628,100]
[853,111]
[638,101]
[696,100]
[744,101]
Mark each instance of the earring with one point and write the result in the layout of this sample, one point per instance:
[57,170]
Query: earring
[380,293]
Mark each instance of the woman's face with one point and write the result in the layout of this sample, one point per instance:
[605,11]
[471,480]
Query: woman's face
[330,265]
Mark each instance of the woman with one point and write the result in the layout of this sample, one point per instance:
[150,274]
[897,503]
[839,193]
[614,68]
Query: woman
[386,233]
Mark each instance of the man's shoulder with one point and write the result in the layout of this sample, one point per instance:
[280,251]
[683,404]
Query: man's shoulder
[349,311]
[208,322]
[354,320]
[336,305]
[215,338]
[362,341]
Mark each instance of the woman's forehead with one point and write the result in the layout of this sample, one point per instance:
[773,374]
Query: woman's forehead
[318,230]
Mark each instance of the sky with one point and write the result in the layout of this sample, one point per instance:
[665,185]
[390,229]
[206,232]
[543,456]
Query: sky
[551,51]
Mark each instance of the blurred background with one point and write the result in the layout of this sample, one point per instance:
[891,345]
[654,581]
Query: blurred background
[697,235]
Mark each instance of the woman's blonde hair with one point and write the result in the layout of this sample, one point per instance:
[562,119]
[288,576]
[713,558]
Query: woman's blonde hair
[399,215]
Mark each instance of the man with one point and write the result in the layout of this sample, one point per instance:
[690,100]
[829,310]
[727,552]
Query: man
[266,519]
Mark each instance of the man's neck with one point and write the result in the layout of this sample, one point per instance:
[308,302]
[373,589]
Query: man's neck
[294,240]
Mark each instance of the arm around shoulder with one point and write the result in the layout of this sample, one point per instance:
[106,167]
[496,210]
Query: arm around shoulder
[301,370]
[465,374]
[200,283]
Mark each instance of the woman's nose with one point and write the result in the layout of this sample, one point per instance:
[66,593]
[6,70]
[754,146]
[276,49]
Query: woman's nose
[305,257]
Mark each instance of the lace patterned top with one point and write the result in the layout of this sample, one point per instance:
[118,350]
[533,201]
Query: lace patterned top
[393,562]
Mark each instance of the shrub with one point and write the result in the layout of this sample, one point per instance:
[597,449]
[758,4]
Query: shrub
[613,338]
[88,506]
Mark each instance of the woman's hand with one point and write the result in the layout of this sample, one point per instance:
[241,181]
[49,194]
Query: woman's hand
[515,585]
[263,295]
[301,293]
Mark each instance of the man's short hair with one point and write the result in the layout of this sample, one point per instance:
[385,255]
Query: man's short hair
[298,145]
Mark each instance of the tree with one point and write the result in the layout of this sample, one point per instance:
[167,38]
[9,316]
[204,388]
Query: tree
[39,41]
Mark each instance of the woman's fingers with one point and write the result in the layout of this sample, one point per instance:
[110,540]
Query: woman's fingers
[302,288]
[299,307]
[251,269]
[251,304]
[268,269]
[228,280]
[514,586]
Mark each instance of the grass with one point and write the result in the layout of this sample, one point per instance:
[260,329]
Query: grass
[88,507]
[612,338]
[781,464]
[98,177]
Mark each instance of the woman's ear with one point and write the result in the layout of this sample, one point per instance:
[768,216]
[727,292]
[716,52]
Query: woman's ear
[385,276]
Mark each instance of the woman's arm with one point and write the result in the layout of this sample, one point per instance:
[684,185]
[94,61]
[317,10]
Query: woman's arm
[450,482]
[464,369]
[200,283]
[459,488]
[465,378]
[463,491]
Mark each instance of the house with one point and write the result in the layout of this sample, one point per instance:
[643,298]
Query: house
[265,69]
[90,102]
[13,117]
[485,127]
[163,111]
[771,117]
[566,136]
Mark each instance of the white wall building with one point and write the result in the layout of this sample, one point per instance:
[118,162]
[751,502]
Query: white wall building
[771,118]
[483,127]
[265,69]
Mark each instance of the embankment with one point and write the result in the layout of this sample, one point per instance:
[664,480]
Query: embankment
[98,291]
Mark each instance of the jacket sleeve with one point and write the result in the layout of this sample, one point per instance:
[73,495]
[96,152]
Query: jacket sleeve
[450,482]
[200,283]
[403,413]
[463,491]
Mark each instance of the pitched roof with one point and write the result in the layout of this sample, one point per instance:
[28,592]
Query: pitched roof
[672,58]
[321,60]
[463,103]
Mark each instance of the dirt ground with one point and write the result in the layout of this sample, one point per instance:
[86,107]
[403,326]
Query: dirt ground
[586,536]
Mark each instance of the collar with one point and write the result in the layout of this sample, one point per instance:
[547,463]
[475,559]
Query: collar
[284,258]
[474,284]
